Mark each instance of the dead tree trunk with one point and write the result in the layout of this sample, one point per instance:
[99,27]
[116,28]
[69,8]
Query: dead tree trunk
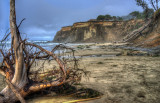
[136,33]
[20,72]
[17,63]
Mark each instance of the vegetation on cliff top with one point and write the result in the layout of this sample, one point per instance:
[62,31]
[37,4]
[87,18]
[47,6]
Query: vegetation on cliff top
[146,14]
[133,15]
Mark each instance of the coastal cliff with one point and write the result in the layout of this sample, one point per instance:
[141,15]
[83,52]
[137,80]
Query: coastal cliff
[96,31]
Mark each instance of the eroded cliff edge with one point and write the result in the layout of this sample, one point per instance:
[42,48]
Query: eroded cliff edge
[97,31]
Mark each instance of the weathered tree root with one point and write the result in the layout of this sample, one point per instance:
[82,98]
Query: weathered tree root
[19,60]
[33,85]
[26,85]
[18,95]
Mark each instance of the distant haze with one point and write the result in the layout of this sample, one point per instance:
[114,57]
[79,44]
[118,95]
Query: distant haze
[45,17]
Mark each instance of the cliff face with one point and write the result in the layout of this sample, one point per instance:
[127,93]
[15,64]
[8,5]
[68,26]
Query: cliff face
[151,35]
[96,31]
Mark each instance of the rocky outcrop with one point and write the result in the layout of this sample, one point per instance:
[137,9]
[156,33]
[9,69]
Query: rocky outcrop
[97,31]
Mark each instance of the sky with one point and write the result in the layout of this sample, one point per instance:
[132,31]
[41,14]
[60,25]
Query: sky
[45,17]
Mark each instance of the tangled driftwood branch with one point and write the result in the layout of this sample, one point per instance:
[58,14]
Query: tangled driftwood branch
[19,65]
[39,79]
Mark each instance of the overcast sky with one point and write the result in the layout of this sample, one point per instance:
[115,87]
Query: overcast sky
[45,17]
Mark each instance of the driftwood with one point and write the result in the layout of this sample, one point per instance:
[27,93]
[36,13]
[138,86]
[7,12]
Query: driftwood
[19,60]
[18,95]
[36,80]
[136,33]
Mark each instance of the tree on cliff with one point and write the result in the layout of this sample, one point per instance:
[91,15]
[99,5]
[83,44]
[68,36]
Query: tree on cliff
[144,4]
[142,15]
[135,14]
[17,63]
[101,17]
[114,18]
[155,4]
[108,17]
[119,18]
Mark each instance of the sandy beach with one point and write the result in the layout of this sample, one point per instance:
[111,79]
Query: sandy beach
[121,75]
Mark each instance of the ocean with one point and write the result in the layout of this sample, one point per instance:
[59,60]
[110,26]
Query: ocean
[45,44]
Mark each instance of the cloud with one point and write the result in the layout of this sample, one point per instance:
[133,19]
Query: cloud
[46,17]
[36,33]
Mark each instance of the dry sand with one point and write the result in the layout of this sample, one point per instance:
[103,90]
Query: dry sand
[122,78]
